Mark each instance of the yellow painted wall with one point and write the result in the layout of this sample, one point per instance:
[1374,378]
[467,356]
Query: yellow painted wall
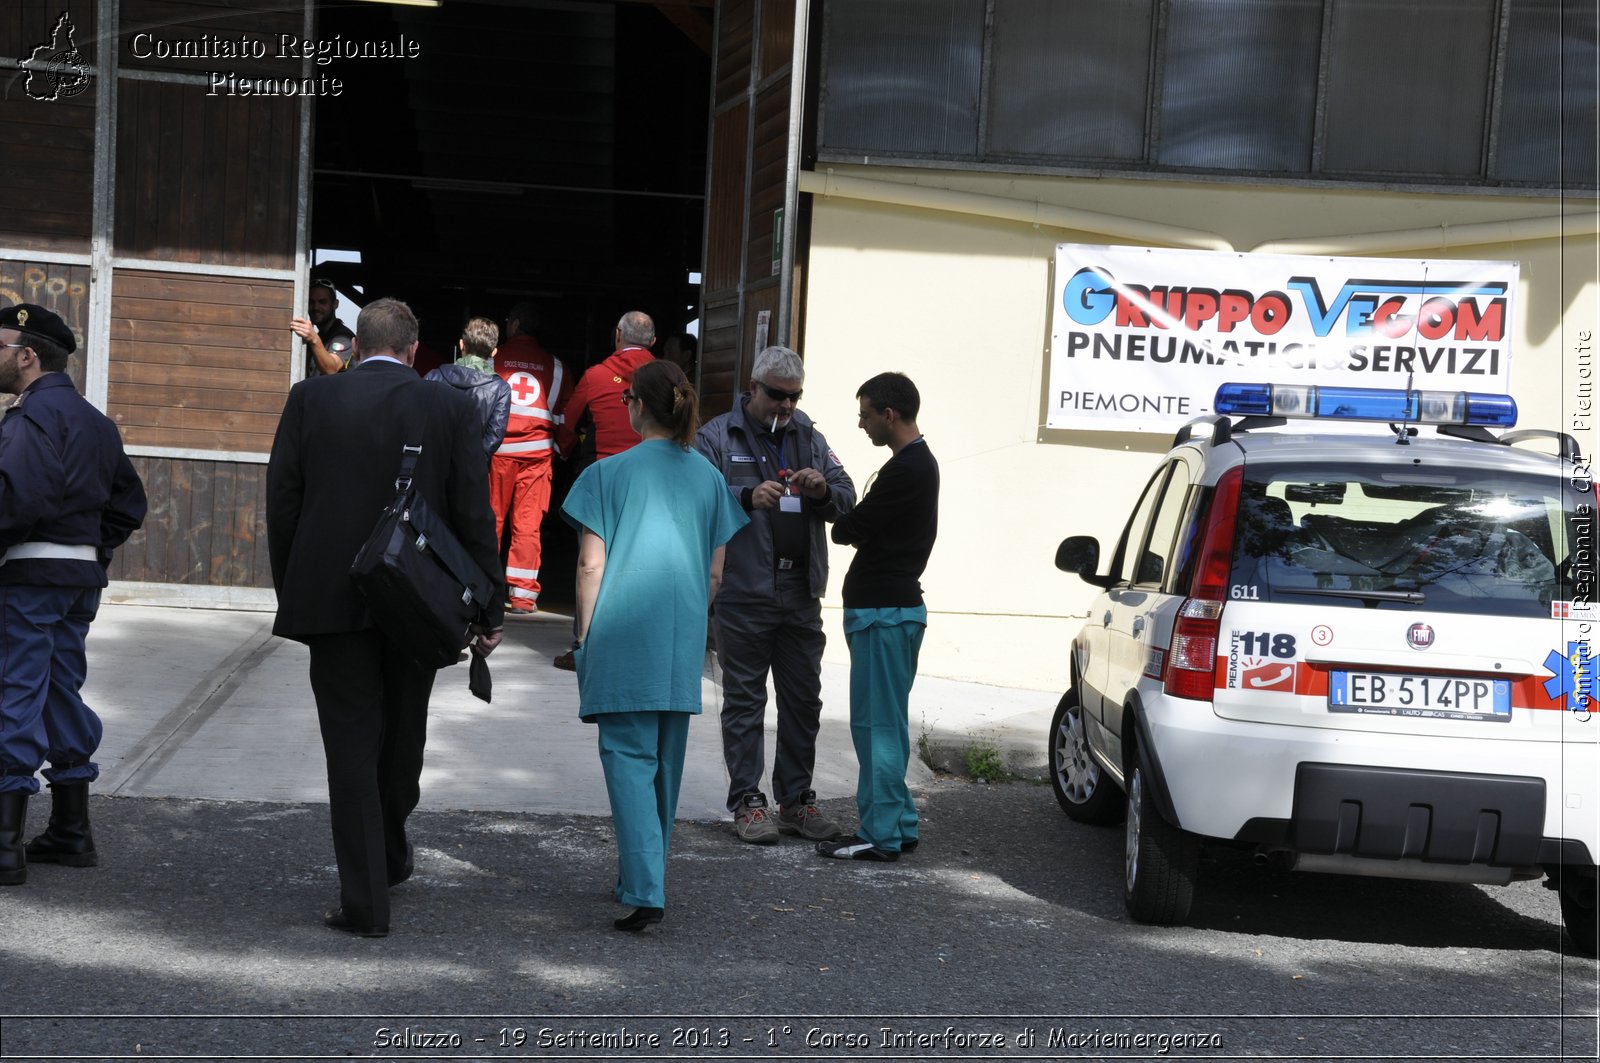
[961,303]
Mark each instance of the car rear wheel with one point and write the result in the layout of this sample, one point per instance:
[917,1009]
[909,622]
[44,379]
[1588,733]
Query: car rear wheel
[1578,903]
[1163,860]
[1082,790]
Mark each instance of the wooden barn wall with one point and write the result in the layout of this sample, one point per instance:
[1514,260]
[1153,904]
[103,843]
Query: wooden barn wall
[205,180]
[719,331]
[735,36]
[720,287]
[232,20]
[777,35]
[207,525]
[186,344]
[769,157]
[26,24]
[725,211]
[57,286]
[47,182]
[749,164]
[198,362]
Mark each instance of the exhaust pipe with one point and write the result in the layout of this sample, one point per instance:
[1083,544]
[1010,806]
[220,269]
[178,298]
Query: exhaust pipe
[1265,856]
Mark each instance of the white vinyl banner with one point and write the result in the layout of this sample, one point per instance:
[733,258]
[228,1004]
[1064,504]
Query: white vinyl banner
[1141,338]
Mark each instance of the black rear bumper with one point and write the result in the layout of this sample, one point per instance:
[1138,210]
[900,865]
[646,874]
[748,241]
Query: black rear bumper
[1437,816]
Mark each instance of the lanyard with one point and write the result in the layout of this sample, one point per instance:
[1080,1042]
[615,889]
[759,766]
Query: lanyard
[781,471]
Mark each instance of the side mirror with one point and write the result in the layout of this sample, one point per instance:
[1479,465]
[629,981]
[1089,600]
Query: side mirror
[1081,554]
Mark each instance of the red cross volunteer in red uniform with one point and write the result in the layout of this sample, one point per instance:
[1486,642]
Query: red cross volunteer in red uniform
[519,472]
[600,391]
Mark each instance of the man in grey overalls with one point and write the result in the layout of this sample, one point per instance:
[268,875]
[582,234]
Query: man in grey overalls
[768,615]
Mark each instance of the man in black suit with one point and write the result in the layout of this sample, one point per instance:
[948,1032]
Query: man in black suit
[331,473]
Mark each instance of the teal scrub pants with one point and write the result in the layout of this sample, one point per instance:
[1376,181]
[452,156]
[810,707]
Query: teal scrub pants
[642,755]
[884,644]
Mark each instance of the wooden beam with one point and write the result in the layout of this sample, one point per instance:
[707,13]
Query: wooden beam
[683,16]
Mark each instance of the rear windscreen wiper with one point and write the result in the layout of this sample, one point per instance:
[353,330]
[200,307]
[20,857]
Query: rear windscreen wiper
[1408,597]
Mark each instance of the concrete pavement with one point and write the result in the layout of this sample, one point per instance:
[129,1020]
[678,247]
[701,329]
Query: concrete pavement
[199,936]
[207,704]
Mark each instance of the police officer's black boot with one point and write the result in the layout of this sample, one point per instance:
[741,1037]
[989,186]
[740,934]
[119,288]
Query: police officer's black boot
[67,840]
[13,818]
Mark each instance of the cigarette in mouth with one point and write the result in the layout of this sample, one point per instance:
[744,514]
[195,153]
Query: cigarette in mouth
[774,422]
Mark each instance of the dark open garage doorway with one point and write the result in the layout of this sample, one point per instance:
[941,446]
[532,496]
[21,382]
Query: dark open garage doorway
[554,151]
[548,151]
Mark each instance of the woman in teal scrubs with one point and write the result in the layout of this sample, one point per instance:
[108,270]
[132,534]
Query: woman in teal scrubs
[652,523]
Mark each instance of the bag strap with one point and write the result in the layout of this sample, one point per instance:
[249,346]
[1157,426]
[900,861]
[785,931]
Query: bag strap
[409,453]
[449,550]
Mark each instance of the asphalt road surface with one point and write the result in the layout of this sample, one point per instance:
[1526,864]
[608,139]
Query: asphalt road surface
[1003,937]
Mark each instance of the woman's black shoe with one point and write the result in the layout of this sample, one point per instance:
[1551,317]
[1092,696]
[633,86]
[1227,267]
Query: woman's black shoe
[639,918]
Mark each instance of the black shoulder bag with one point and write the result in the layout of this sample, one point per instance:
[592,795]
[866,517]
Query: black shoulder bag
[422,587]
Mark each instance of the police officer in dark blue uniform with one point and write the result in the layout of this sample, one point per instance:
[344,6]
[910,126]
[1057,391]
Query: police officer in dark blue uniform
[68,497]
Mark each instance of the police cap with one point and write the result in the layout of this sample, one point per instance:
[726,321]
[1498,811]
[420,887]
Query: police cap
[31,319]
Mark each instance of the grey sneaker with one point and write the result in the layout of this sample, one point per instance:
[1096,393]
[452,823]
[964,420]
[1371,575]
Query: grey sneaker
[752,823]
[807,820]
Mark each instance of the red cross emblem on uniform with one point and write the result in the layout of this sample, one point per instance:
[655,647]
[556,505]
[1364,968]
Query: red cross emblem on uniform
[525,388]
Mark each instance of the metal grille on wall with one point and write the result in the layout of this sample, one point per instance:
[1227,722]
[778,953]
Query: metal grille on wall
[1480,93]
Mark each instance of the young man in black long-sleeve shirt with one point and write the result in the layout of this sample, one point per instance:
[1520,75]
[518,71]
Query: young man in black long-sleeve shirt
[893,530]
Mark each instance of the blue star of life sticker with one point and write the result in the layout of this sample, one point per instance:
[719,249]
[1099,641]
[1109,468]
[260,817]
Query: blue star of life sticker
[1572,675]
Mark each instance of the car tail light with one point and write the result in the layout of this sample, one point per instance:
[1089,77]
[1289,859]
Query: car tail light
[1192,657]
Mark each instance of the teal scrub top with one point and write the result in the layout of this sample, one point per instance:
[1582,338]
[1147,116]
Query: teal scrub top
[662,511]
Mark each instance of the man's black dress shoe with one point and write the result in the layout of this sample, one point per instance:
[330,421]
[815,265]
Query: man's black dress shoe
[406,869]
[337,919]
[639,918]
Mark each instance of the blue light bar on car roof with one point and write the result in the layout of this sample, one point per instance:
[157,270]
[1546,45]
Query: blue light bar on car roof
[1396,406]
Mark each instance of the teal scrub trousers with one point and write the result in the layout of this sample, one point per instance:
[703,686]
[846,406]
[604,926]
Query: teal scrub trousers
[884,644]
[642,756]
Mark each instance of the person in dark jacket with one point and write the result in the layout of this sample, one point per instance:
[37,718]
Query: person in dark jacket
[781,471]
[473,373]
[328,340]
[331,472]
[69,496]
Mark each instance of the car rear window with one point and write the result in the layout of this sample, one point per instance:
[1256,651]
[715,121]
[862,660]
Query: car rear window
[1464,541]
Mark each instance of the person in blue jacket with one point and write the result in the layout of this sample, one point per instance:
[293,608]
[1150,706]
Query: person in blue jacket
[653,521]
[472,373]
[68,498]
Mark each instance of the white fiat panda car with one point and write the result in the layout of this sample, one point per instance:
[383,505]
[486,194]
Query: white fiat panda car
[1365,652]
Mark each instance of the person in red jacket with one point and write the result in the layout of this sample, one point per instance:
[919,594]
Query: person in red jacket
[600,391]
[519,472]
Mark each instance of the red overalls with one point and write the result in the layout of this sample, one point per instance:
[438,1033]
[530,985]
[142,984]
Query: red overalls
[519,473]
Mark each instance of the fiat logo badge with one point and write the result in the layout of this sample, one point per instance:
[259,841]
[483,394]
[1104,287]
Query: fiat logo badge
[1419,637]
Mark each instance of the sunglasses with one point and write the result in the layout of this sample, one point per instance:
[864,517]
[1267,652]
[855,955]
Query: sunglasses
[627,397]
[778,395]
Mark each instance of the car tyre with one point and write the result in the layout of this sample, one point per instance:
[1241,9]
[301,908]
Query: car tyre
[1083,791]
[1162,860]
[1578,904]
